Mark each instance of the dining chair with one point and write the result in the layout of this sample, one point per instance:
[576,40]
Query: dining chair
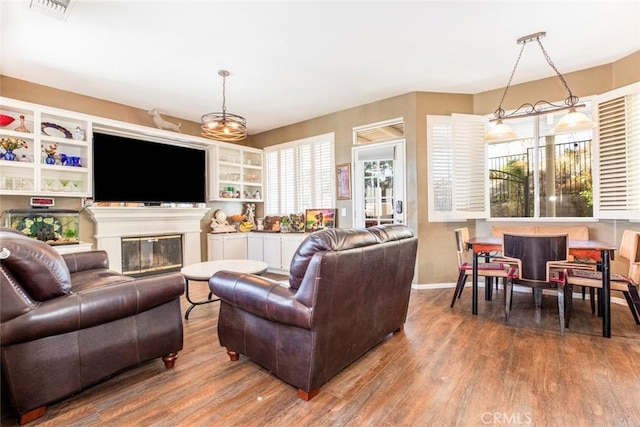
[627,284]
[489,270]
[531,258]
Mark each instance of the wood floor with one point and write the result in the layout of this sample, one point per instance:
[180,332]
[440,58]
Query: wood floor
[447,368]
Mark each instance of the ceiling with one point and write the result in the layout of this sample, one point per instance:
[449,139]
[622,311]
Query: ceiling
[292,61]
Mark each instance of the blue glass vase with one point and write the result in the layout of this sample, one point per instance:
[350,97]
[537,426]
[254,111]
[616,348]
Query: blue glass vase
[9,155]
[50,160]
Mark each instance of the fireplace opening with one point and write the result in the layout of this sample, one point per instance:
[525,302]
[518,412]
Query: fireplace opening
[148,255]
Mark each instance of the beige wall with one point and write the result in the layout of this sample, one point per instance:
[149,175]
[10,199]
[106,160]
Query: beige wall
[436,251]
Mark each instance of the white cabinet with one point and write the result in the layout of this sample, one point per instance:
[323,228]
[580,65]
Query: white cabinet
[226,246]
[277,248]
[288,247]
[272,254]
[65,171]
[255,246]
[235,173]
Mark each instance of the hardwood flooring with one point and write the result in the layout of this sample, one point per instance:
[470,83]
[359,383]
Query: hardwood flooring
[447,368]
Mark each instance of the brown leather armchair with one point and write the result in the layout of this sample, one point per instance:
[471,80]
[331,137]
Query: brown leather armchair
[68,322]
[349,289]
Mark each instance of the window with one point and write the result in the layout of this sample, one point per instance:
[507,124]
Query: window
[541,174]
[299,175]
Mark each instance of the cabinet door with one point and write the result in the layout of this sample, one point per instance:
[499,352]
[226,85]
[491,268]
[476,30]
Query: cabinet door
[215,247]
[255,245]
[226,246]
[289,246]
[272,254]
[235,246]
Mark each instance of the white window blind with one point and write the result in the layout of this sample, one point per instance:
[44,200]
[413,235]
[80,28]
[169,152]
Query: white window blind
[300,175]
[470,172]
[617,186]
[440,159]
[458,176]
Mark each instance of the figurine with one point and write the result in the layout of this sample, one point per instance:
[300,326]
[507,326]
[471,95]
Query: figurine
[219,223]
[250,213]
[78,134]
[162,123]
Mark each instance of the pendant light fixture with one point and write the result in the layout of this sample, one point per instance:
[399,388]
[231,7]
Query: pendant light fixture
[224,126]
[572,122]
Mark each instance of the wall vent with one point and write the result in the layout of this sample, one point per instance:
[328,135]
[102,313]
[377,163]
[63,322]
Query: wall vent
[58,9]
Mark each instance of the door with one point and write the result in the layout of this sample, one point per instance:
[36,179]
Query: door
[379,183]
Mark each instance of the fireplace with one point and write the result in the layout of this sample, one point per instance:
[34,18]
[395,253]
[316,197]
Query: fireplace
[113,224]
[144,256]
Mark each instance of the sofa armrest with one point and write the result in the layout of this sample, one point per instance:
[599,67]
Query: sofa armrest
[89,260]
[95,306]
[260,296]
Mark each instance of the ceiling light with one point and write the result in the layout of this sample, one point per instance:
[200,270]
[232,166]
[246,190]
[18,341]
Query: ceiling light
[224,126]
[572,122]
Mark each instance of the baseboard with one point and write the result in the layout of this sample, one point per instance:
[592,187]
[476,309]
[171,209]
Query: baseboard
[516,288]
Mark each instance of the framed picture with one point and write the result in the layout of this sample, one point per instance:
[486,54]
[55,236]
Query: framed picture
[318,219]
[343,180]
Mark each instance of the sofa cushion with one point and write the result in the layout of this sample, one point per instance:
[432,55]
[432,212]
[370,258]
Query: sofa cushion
[38,267]
[326,240]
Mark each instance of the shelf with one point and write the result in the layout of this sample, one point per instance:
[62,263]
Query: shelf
[35,177]
[235,174]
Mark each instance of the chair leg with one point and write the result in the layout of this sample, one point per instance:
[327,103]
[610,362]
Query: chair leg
[507,299]
[592,299]
[537,297]
[632,306]
[457,293]
[635,298]
[561,307]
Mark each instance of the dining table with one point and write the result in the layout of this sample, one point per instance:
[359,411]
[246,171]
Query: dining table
[598,251]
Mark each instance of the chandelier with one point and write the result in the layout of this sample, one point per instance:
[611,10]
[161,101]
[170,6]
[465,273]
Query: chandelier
[572,122]
[224,126]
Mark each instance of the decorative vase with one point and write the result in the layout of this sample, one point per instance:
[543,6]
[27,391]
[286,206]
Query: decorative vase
[22,127]
[10,155]
[50,160]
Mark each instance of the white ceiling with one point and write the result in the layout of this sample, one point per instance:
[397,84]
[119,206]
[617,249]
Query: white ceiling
[291,61]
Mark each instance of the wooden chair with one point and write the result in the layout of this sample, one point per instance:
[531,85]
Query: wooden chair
[465,265]
[628,285]
[531,258]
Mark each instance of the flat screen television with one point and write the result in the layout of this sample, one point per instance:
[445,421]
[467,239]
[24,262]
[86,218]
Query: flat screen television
[134,170]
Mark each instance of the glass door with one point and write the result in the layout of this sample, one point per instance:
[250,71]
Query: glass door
[379,184]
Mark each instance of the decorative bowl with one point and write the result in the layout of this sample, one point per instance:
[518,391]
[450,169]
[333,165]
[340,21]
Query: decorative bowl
[5,120]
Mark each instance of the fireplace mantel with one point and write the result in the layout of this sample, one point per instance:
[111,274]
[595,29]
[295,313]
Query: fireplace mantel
[114,223]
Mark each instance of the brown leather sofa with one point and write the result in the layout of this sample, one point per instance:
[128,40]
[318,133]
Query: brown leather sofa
[68,322]
[349,289]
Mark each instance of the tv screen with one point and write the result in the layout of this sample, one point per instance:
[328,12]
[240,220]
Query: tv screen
[132,170]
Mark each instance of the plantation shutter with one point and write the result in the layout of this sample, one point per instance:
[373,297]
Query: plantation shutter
[458,173]
[299,175]
[271,182]
[287,181]
[617,142]
[440,164]
[470,171]
[323,175]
